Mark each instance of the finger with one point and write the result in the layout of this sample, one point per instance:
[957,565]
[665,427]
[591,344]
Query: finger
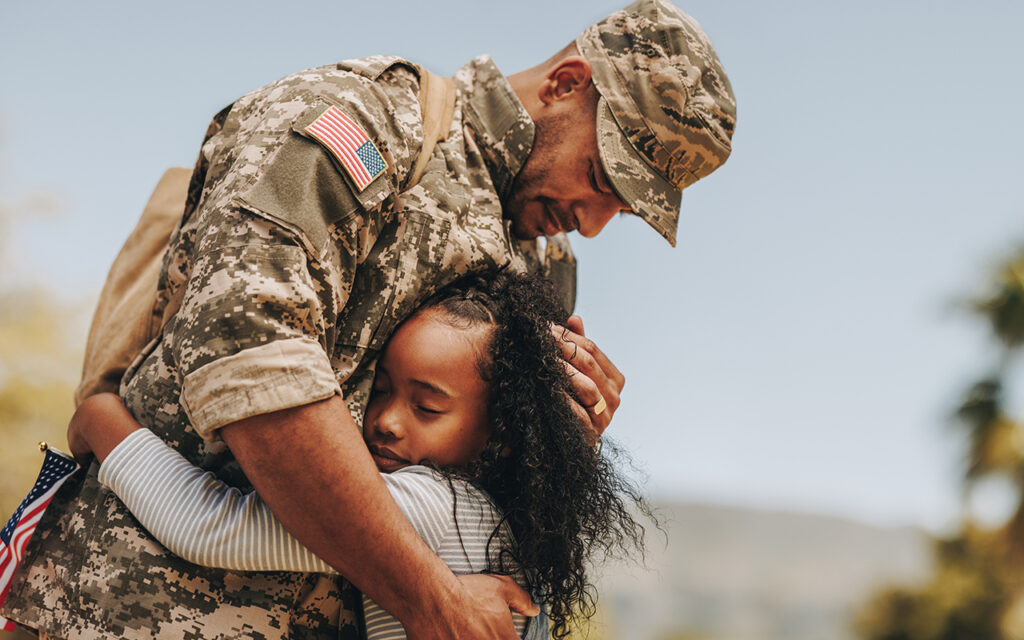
[574,351]
[517,598]
[81,456]
[597,393]
[591,383]
[575,324]
[588,359]
[600,360]
[585,388]
[588,404]
[594,429]
[568,348]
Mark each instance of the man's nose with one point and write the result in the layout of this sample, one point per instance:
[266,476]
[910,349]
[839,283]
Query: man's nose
[594,216]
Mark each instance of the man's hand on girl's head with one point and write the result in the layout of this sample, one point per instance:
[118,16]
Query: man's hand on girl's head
[596,381]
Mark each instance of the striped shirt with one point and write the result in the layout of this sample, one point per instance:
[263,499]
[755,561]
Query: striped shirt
[207,522]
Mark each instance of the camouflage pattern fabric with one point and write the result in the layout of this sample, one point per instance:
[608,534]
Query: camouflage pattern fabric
[280,287]
[667,111]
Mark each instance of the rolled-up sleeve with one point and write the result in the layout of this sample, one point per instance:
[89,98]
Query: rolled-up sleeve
[250,337]
[277,244]
[275,376]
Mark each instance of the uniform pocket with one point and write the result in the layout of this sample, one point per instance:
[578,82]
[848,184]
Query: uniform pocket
[402,270]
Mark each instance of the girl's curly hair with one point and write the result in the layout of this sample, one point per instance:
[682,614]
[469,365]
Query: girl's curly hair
[563,501]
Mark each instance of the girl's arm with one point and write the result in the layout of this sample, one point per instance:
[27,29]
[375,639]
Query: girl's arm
[100,423]
[207,522]
[198,517]
[202,519]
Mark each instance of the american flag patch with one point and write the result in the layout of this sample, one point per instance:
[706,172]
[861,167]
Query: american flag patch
[350,145]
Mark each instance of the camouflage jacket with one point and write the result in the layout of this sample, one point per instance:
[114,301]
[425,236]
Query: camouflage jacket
[282,284]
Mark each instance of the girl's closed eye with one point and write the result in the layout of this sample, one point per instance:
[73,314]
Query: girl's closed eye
[381,384]
[434,406]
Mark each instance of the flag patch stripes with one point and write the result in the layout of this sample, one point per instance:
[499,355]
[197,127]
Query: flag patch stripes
[14,537]
[350,145]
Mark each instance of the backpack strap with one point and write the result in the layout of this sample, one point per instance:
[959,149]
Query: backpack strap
[437,104]
[124,321]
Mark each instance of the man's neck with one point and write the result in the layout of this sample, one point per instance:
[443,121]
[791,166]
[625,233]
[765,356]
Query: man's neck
[524,84]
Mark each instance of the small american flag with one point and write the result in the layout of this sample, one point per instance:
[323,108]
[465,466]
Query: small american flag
[14,537]
[350,145]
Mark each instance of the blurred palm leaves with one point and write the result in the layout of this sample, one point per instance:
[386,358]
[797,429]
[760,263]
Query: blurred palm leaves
[978,589]
[1004,308]
[967,599]
[995,438]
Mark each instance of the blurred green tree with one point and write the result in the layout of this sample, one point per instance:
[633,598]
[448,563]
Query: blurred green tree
[977,591]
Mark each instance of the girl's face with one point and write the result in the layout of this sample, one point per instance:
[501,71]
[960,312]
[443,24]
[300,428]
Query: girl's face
[428,401]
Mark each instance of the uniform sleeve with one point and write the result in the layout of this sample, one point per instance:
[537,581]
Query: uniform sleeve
[207,522]
[270,257]
[250,337]
[270,277]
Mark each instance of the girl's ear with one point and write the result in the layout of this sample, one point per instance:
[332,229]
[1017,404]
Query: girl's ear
[505,452]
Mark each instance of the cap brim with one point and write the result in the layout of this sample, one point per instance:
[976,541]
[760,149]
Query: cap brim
[646,191]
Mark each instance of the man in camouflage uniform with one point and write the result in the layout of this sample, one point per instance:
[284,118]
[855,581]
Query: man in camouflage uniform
[290,271]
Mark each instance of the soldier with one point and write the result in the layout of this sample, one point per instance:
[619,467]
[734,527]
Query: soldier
[306,238]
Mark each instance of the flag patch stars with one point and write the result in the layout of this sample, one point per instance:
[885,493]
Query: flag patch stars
[347,141]
[16,533]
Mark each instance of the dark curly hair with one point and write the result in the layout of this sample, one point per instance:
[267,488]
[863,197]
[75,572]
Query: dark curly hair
[562,499]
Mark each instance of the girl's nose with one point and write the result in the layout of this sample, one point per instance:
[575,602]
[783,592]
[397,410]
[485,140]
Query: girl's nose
[387,421]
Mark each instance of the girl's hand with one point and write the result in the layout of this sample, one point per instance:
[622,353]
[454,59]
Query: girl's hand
[100,423]
[77,440]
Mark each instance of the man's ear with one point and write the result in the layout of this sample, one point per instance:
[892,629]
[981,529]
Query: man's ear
[569,78]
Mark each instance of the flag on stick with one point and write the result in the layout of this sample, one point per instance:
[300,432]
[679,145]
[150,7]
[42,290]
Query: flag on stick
[14,537]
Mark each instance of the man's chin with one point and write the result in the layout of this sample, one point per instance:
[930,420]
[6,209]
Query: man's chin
[523,227]
[522,231]
[527,234]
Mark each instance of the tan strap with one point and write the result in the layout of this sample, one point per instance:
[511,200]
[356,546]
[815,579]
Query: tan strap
[437,104]
[124,322]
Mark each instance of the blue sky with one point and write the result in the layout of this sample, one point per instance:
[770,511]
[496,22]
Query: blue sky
[803,346]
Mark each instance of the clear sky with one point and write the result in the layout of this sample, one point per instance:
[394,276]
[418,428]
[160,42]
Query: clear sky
[803,346]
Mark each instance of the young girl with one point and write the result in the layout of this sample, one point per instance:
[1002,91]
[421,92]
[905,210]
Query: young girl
[471,424]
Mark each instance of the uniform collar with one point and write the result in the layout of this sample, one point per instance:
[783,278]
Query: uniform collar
[500,124]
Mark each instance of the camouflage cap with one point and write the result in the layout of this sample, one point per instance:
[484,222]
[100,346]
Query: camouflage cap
[666,113]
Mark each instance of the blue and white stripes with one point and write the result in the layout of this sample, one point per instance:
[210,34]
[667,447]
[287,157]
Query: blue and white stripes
[203,520]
